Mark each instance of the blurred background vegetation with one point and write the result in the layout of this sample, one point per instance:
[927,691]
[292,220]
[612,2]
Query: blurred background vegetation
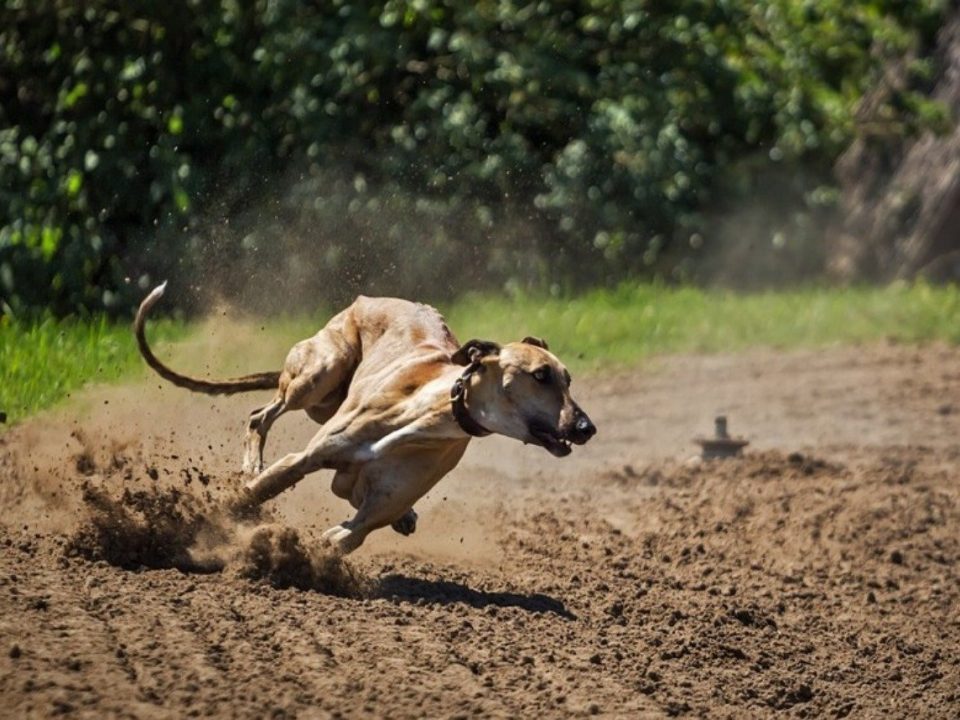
[285,153]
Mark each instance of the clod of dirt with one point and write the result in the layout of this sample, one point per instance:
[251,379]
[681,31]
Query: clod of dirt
[170,528]
[801,694]
[85,464]
[151,528]
[275,553]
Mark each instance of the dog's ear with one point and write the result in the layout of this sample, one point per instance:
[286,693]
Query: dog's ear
[473,350]
[539,342]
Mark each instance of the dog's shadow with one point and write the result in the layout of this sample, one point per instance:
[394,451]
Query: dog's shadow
[446,592]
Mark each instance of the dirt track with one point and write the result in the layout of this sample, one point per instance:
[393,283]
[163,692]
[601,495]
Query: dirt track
[816,577]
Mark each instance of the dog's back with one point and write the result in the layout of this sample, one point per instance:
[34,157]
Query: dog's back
[401,323]
[391,339]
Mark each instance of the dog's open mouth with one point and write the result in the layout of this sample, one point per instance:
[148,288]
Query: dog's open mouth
[552,440]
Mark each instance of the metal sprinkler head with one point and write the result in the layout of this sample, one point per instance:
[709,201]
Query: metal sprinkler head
[721,445]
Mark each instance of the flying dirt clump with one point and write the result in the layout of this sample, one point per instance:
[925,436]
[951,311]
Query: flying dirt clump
[169,528]
[275,553]
[154,528]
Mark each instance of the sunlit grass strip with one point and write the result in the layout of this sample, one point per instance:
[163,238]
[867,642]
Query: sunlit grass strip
[43,362]
[624,325]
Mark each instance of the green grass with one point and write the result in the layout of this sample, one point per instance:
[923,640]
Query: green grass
[42,363]
[622,326]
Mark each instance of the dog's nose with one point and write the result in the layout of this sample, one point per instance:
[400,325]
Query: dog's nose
[583,429]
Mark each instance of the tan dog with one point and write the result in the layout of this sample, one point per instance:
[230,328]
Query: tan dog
[386,378]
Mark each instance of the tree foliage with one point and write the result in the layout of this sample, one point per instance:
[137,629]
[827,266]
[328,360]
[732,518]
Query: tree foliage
[396,143]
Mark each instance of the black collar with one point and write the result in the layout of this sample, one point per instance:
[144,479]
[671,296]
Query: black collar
[460,413]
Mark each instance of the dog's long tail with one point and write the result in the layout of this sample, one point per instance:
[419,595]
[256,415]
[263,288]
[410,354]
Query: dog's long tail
[257,381]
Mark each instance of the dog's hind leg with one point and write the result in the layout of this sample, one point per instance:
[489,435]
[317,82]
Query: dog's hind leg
[343,483]
[261,420]
[381,496]
[326,409]
[375,512]
[349,535]
[315,378]
[406,524]
[342,486]
[386,491]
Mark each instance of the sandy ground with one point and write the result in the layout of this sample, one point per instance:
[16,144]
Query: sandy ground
[817,576]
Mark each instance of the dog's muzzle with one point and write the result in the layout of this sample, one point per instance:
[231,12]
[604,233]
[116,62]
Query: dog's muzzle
[558,442]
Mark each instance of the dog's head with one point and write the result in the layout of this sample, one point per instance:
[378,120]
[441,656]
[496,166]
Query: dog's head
[523,391]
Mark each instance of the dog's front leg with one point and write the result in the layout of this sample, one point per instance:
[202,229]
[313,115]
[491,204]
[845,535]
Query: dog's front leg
[284,473]
[333,446]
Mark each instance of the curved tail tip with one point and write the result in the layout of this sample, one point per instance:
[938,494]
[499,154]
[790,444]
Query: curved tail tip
[156,292]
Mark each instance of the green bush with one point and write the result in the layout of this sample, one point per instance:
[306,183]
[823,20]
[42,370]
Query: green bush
[420,147]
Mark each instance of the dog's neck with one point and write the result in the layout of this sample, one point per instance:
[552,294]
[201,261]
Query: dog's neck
[458,403]
[482,401]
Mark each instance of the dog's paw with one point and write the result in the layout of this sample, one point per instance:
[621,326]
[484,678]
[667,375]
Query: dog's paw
[407,523]
[342,540]
[251,468]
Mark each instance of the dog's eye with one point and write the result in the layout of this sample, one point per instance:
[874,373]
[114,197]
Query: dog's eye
[542,374]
